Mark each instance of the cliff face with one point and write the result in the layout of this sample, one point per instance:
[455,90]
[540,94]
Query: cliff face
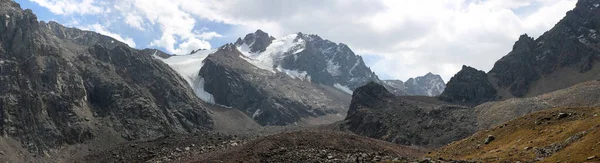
[62,86]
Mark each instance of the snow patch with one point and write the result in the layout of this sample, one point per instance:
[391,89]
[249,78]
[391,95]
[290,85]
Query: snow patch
[259,63]
[333,68]
[302,75]
[583,40]
[256,113]
[188,66]
[342,88]
[6,22]
[353,67]
[201,93]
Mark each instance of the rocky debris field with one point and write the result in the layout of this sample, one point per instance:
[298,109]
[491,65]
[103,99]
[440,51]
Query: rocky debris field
[172,148]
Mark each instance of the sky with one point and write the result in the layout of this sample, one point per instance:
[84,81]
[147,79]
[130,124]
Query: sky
[398,39]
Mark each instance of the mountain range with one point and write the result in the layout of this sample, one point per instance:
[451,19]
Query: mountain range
[281,81]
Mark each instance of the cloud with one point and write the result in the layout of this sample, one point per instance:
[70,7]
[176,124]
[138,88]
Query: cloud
[67,7]
[179,34]
[102,30]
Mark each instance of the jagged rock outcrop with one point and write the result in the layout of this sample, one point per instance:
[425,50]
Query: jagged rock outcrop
[257,41]
[270,98]
[428,85]
[61,86]
[410,120]
[469,86]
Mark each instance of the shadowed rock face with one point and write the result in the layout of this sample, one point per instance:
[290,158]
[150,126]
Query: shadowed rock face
[469,86]
[421,121]
[270,98]
[64,86]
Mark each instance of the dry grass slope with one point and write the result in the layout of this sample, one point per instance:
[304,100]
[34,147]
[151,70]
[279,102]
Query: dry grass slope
[556,135]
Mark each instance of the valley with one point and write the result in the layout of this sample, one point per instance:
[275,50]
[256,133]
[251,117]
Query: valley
[72,95]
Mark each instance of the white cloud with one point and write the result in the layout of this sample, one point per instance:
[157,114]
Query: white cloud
[177,26]
[67,7]
[102,30]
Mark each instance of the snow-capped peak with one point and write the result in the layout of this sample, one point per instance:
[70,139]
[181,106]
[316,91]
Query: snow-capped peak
[274,53]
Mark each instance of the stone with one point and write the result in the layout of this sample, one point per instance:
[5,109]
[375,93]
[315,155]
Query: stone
[489,139]
[562,115]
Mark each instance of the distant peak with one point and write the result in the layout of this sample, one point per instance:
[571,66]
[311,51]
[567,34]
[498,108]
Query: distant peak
[258,31]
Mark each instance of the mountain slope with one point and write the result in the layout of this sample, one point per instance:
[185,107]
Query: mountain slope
[270,98]
[62,86]
[409,120]
[556,135]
